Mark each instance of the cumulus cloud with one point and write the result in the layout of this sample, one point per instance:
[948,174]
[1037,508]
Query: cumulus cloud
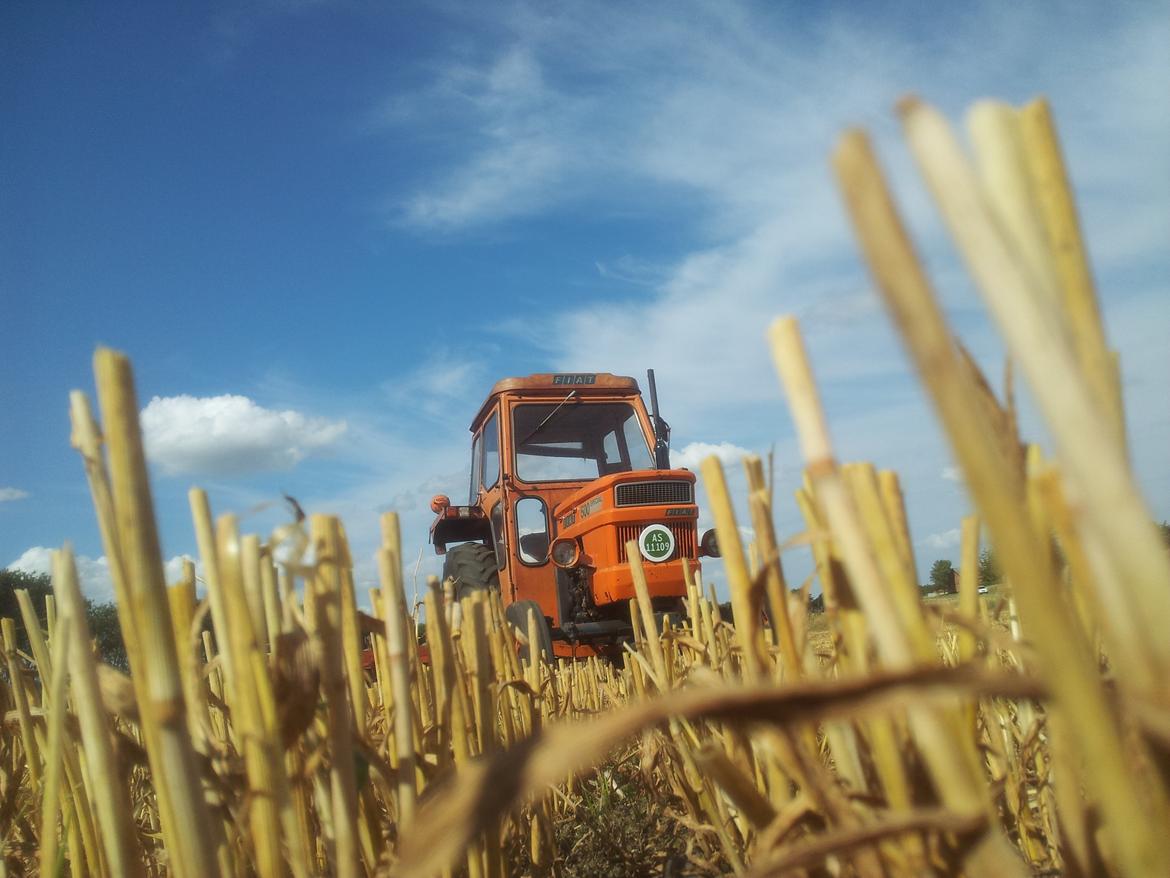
[951,474]
[692,454]
[93,574]
[230,434]
[943,540]
[9,494]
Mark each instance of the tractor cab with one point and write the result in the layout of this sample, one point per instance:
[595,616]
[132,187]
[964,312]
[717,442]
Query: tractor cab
[565,469]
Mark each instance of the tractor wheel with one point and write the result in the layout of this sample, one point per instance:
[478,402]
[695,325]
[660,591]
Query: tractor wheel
[473,567]
[517,616]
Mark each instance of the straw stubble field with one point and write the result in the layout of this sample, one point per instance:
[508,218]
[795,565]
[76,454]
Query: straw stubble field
[883,738]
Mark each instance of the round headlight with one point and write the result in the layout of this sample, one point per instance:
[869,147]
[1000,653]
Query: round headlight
[565,552]
[709,544]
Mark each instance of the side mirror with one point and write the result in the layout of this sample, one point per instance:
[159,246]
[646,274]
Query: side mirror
[709,545]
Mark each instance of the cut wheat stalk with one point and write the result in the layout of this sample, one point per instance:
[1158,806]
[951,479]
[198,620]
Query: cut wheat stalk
[1066,249]
[54,696]
[948,761]
[326,588]
[173,757]
[999,497]
[209,554]
[396,618]
[744,606]
[1132,566]
[120,849]
[252,721]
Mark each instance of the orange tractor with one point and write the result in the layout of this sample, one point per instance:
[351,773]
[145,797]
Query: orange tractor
[565,469]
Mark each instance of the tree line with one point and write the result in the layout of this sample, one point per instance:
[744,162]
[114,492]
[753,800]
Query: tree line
[103,618]
[943,577]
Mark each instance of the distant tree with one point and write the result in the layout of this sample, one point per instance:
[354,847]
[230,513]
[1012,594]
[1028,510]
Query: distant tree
[107,634]
[103,618]
[817,604]
[1165,528]
[942,577]
[38,586]
[989,572]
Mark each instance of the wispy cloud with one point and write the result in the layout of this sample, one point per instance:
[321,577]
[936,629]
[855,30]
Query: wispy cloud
[520,127]
[234,26]
[631,270]
[446,386]
[8,495]
[944,540]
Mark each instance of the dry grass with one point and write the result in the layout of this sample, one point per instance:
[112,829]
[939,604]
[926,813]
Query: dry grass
[1024,734]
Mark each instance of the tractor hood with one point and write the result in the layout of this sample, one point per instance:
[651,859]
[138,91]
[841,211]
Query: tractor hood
[674,487]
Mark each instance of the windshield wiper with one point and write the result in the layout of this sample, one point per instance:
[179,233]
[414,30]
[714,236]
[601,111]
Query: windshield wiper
[547,418]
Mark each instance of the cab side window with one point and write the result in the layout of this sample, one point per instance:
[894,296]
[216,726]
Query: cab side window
[499,536]
[476,467]
[491,451]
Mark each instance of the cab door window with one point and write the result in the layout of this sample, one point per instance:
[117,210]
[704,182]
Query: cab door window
[532,530]
[491,451]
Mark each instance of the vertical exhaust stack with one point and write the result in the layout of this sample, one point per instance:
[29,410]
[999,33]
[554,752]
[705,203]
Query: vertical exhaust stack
[661,428]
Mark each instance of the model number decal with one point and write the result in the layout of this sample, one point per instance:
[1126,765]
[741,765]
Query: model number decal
[591,506]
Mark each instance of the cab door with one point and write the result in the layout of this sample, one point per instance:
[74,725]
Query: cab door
[489,492]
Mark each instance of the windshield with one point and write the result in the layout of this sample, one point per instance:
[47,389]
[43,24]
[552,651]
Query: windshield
[581,441]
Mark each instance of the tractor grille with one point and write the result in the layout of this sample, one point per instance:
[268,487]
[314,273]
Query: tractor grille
[684,538]
[656,493]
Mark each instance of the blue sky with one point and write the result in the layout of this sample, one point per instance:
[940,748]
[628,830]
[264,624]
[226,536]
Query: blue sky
[323,229]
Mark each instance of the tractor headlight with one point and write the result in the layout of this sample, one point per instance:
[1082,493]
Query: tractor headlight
[709,544]
[565,552]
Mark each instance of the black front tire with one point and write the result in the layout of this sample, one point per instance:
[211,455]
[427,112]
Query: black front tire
[473,567]
[517,616]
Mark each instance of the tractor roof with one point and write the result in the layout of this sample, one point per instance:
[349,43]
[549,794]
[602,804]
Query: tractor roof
[555,385]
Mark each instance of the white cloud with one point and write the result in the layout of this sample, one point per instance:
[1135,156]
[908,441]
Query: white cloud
[230,434]
[93,574]
[7,495]
[951,474]
[943,540]
[692,454]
